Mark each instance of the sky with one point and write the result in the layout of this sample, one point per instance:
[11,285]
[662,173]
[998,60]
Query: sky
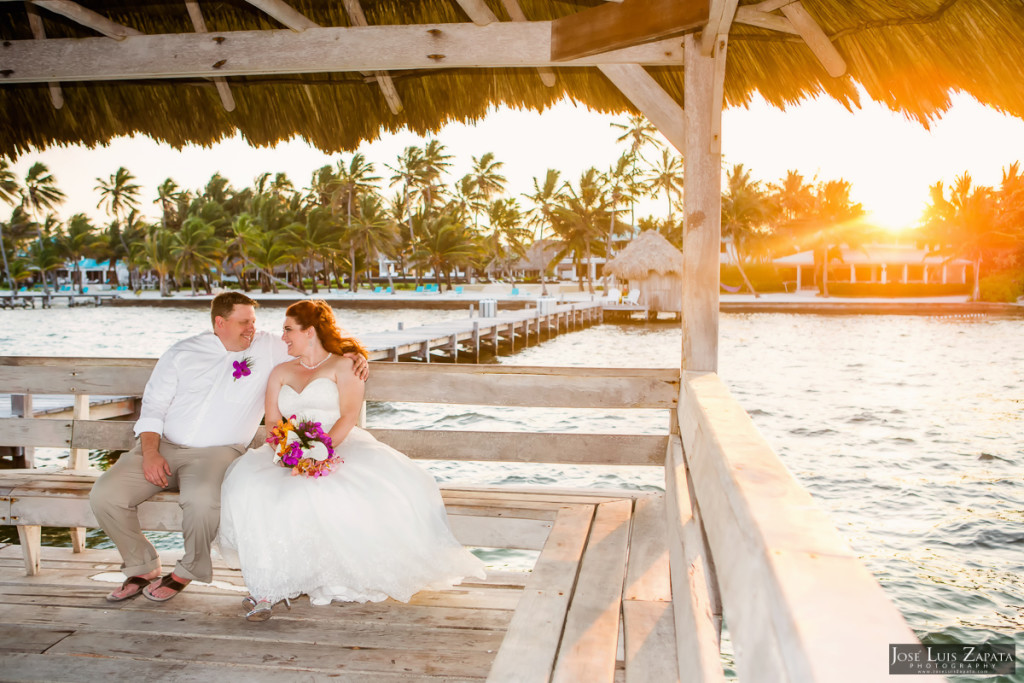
[889,160]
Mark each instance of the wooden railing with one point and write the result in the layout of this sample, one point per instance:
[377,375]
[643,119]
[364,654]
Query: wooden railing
[746,542]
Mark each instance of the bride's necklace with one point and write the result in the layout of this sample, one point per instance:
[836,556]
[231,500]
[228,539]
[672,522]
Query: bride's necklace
[315,365]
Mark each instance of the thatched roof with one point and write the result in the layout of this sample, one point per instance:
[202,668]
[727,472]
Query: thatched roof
[538,256]
[649,252]
[909,55]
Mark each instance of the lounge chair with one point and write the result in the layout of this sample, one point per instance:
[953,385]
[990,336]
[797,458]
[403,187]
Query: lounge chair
[632,298]
[514,292]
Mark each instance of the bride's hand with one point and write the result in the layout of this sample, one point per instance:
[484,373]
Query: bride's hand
[360,367]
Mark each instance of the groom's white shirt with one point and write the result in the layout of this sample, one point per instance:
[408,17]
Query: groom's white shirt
[193,399]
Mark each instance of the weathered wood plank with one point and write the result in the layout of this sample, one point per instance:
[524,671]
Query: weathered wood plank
[30,638]
[315,50]
[610,26]
[528,651]
[25,431]
[74,669]
[647,572]
[318,657]
[778,557]
[407,382]
[524,534]
[694,590]
[591,634]
[650,635]
[230,627]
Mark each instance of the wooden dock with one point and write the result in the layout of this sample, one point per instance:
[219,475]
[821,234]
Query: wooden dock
[559,621]
[506,328]
[47,299]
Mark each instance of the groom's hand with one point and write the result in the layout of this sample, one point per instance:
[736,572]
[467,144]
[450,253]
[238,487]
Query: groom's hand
[155,468]
[359,365]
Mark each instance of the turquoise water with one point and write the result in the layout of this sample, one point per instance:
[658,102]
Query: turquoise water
[906,430]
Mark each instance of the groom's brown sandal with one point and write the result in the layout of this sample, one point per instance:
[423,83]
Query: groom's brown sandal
[167,581]
[137,581]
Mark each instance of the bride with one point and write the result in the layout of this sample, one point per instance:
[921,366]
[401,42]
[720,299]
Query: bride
[374,528]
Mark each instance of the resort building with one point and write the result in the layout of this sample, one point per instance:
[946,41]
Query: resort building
[878,263]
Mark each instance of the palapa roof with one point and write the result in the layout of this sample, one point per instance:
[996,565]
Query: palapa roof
[271,83]
[648,253]
[538,256]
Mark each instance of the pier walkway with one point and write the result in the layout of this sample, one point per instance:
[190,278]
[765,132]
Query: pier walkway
[504,327]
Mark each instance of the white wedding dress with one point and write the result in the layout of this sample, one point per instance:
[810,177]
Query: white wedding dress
[374,528]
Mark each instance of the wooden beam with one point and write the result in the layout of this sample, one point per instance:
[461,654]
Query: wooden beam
[478,12]
[86,17]
[717,25]
[815,38]
[751,16]
[39,33]
[770,5]
[612,26]
[650,98]
[284,13]
[718,92]
[384,82]
[320,50]
[702,201]
[199,24]
[515,12]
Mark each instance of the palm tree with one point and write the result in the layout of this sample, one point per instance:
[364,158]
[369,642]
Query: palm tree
[666,176]
[445,243]
[77,243]
[486,180]
[370,234]
[744,209]
[638,132]
[44,257]
[118,193]
[156,252]
[434,163]
[620,181]
[546,195]
[966,224]
[39,190]
[194,250]
[8,194]
[173,203]
[508,233]
[351,182]
[832,226]
[581,219]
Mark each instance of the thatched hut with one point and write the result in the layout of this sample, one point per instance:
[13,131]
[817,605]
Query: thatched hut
[653,267]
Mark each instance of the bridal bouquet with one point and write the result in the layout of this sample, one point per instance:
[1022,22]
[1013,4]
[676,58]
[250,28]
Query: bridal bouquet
[303,446]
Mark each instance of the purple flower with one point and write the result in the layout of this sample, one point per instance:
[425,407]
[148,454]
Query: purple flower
[242,368]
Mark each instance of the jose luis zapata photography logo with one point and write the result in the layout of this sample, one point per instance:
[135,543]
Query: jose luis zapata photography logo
[964,659]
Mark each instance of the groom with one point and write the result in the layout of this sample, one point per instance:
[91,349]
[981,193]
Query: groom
[201,407]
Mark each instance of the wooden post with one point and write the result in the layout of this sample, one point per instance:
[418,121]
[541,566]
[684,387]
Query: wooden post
[455,348]
[78,459]
[21,406]
[702,199]
[476,341]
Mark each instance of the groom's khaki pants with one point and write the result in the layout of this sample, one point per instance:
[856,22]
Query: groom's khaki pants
[197,473]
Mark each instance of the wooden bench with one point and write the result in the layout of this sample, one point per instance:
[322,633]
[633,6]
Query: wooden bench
[734,536]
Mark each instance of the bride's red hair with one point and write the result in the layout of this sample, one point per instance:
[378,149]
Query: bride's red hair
[317,313]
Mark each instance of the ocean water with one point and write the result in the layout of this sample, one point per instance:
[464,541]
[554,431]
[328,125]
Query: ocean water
[908,431]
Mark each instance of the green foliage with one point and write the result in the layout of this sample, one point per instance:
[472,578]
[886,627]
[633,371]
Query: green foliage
[897,289]
[764,276]
[1004,286]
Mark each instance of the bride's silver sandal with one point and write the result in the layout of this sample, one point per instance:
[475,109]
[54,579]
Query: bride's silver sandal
[260,609]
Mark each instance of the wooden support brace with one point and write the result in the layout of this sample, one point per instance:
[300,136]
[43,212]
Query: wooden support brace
[86,17]
[284,13]
[39,33]
[719,20]
[476,341]
[515,12]
[454,345]
[748,14]
[425,350]
[199,24]
[815,38]
[387,86]
[30,538]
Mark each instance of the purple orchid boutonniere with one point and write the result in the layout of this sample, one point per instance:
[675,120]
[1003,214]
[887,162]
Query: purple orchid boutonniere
[242,368]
